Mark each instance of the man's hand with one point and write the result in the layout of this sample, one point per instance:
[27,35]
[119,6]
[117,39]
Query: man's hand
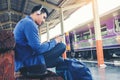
[58,39]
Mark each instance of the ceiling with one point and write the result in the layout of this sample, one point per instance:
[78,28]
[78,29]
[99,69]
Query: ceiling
[11,11]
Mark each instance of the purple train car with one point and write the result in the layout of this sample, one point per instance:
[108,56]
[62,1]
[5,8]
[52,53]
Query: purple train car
[83,43]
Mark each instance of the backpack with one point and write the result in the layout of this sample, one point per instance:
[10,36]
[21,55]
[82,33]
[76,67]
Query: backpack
[73,69]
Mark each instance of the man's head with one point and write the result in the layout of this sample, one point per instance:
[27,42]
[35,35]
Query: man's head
[39,14]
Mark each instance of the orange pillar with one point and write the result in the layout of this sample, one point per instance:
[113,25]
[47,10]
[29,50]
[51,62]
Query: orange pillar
[99,47]
[64,55]
[99,50]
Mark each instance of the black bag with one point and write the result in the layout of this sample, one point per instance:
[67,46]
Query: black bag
[48,76]
[51,76]
[73,69]
[7,41]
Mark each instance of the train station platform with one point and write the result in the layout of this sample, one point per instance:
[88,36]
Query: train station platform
[110,72]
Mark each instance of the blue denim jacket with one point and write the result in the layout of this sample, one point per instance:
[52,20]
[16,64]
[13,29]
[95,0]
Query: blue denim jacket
[27,41]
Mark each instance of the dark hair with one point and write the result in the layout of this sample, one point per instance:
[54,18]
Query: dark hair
[36,8]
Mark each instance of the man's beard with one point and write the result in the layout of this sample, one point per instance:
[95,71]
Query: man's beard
[39,24]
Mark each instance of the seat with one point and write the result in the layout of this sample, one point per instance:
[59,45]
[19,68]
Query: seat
[7,44]
[35,71]
[42,75]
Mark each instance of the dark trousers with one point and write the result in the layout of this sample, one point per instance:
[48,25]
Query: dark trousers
[53,57]
[33,64]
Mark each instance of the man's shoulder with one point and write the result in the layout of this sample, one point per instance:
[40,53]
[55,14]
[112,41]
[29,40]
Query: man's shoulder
[27,20]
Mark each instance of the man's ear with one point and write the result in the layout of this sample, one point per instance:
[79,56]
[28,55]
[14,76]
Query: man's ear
[37,13]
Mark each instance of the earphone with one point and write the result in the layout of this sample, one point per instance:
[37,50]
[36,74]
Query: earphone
[39,11]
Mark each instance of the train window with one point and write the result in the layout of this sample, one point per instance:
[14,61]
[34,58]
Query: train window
[93,35]
[77,37]
[86,35]
[81,38]
[103,29]
[119,20]
[117,25]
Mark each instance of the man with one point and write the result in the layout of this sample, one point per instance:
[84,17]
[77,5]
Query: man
[28,47]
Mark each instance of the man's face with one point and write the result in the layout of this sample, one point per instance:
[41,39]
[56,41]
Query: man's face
[41,18]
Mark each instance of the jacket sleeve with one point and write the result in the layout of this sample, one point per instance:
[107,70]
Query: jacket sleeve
[32,36]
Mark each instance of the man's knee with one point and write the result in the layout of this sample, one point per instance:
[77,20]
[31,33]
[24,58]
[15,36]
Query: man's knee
[62,46]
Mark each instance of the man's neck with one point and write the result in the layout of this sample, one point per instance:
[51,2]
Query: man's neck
[32,16]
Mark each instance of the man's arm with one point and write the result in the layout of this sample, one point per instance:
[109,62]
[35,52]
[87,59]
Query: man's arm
[31,33]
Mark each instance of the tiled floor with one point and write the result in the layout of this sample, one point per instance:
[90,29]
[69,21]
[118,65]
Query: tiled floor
[111,72]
